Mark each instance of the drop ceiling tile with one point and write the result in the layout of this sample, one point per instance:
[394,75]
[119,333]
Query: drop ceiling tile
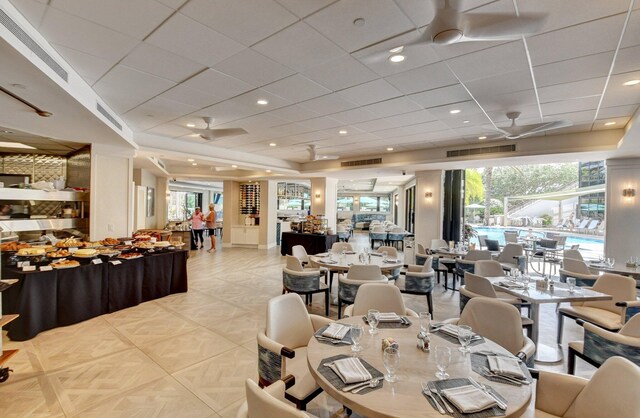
[124,88]
[420,12]
[585,39]
[133,18]
[79,34]
[294,113]
[424,78]
[304,8]
[405,119]
[627,60]
[371,92]
[163,107]
[584,116]
[138,120]
[441,96]
[632,34]
[392,107]
[573,90]
[353,116]
[217,84]
[296,88]
[241,106]
[507,102]
[246,21]
[289,129]
[466,109]
[305,48]
[500,84]
[197,98]
[90,67]
[383,19]
[575,105]
[330,103]
[323,122]
[377,56]
[601,123]
[162,63]
[193,40]
[174,4]
[618,94]
[506,58]
[576,69]
[170,130]
[32,10]
[617,111]
[253,68]
[340,73]
[420,128]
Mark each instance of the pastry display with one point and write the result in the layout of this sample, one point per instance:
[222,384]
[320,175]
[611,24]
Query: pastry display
[59,254]
[144,245]
[122,247]
[162,244]
[13,246]
[130,256]
[30,252]
[107,251]
[85,252]
[142,237]
[64,264]
[69,242]
[88,244]
[110,241]
[177,243]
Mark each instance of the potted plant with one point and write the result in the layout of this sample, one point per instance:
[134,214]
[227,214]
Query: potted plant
[467,233]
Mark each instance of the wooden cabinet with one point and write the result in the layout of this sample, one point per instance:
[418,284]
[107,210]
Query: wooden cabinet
[245,235]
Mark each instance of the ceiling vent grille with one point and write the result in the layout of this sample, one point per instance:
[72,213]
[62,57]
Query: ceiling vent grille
[107,115]
[477,151]
[17,31]
[357,163]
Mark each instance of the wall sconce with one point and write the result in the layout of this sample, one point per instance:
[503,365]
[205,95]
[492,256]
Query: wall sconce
[628,192]
[428,194]
[317,195]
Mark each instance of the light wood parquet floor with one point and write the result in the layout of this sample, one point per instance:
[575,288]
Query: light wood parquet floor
[185,355]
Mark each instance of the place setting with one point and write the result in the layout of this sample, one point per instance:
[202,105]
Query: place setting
[501,368]
[457,334]
[376,319]
[337,334]
[351,374]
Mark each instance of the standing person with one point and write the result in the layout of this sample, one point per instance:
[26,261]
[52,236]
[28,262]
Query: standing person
[211,226]
[196,226]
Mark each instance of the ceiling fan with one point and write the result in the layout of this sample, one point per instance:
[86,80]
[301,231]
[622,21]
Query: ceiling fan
[211,134]
[516,132]
[314,156]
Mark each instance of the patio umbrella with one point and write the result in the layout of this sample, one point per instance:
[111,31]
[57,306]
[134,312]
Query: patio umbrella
[474,206]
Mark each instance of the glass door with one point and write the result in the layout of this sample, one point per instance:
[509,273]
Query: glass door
[410,208]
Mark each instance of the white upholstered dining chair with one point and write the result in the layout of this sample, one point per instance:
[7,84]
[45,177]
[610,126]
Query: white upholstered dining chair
[270,401]
[380,296]
[358,275]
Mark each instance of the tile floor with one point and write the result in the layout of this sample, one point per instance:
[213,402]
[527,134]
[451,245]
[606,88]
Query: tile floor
[186,355]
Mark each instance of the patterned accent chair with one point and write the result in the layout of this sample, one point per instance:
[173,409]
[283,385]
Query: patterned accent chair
[378,233]
[358,275]
[579,270]
[611,392]
[396,236]
[418,280]
[392,274]
[343,233]
[380,296]
[461,267]
[282,347]
[600,344]
[270,401]
[306,282]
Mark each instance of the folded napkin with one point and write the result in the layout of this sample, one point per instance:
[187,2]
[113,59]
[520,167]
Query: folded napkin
[468,399]
[376,254]
[335,331]
[450,329]
[391,260]
[390,317]
[349,252]
[329,261]
[505,366]
[350,370]
[511,285]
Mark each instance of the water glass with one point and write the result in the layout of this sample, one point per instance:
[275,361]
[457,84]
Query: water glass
[356,334]
[425,321]
[443,358]
[611,261]
[385,254]
[464,336]
[571,282]
[391,359]
[362,258]
[373,317]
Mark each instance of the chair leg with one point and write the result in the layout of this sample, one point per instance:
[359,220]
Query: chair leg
[326,303]
[430,304]
[339,307]
[560,327]
[571,361]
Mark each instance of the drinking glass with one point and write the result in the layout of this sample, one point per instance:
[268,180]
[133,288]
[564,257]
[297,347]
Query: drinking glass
[443,358]
[384,255]
[361,257]
[611,261]
[425,321]
[343,254]
[356,334]
[464,336]
[373,316]
[571,282]
[391,360]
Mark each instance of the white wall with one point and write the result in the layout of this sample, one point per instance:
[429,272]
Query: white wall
[429,210]
[622,213]
[326,203]
[145,178]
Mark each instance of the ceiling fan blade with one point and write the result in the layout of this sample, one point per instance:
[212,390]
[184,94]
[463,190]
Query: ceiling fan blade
[497,26]
[328,157]
[499,130]
[549,126]
[211,134]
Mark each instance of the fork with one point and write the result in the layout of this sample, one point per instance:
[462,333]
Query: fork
[515,380]
[434,390]
[486,390]
[427,391]
[372,384]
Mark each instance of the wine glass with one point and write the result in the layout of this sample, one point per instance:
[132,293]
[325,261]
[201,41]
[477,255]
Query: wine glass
[443,358]
[611,261]
[391,362]
[356,334]
[425,321]
[464,336]
[373,317]
[571,282]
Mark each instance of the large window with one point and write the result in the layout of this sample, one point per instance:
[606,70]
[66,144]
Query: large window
[375,204]
[294,204]
[183,204]
[345,203]
[592,205]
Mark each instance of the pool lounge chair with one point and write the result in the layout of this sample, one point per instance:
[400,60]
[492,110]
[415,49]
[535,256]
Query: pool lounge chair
[583,224]
[592,226]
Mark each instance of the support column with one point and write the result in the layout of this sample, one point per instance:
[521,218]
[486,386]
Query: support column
[268,214]
[162,202]
[324,197]
[622,213]
[230,209]
[429,210]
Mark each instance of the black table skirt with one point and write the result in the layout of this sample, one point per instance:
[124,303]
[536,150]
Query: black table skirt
[49,299]
[312,243]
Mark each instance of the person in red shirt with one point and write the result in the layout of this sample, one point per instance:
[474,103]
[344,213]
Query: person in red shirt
[197,220]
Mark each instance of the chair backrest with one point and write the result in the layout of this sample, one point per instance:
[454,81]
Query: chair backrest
[364,272]
[391,251]
[375,222]
[482,239]
[593,224]
[561,240]
[420,249]
[261,404]
[489,268]
[427,267]
[475,255]
[438,243]
[495,320]
[611,392]
[575,266]
[479,285]
[509,252]
[288,321]
[573,253]
[378,228]
[511,236]
[293,263]
[548,243]
[300,253]
[378,296]
[339,247]
[341,228]
[583,223]
[492,244]
[632,327]
[575,246]
[622,288]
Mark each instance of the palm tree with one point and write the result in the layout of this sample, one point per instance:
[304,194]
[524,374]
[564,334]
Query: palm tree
[487,179]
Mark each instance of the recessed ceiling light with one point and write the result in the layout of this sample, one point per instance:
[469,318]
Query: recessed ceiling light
[15,145]
[194,163]
[262,102]
[273,144]
[342,132]
[190,160]
[390,149]
[324,156]
[609,123]
[482,137]
[397,50]
[631,82]
[191,125]
[465,121]
[396,58]
[454,111]
[268,171]
[234,166]
[359,22]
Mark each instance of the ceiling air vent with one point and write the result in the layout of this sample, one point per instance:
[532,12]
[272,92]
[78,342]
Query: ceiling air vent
[17,31]
[356,163]
[477,151]
[107,115]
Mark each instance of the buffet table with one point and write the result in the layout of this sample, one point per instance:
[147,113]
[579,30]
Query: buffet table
[50,299]
[312,243]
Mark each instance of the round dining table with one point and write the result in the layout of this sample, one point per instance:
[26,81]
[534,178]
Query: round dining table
[404,397]
[344,263]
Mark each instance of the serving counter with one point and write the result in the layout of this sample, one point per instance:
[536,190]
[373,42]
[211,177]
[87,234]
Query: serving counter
[50,299]
[312,243]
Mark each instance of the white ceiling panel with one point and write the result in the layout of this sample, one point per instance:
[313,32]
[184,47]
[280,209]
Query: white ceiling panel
[442,96]
[508,101]
[153,60]
[133,18]
[296,88]
[584,88]
[342,72]
[632,34]
[324,122]
[165,108]
[306,7]
[244,105]
[584,116]
[383,19]
[405,119]
[575,105]
[293,113]
[170,130]
[500,84]
[217,84]
[619,94]
[371,92]
[90,67]
[604,123]
[124,88]
[197,98]
[32,10]
[246,21]
[353,116]
[174,4]
[501,59]
[305,48]
[261,121]
[617,111]
[424,78]
[433,126]
[420,12]
[253,68]
[583,68]
[289,129]
[627,60]
[466,109]
[392,107]
[330,103]
[193,40]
